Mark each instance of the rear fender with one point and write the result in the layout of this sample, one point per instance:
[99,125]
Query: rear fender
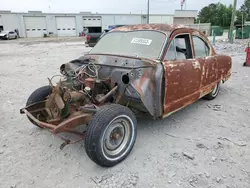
[224,67]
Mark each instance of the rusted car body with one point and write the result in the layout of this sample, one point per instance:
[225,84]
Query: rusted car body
[181,73]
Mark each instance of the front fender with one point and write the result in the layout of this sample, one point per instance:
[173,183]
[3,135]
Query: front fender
[148,84]
[139,79]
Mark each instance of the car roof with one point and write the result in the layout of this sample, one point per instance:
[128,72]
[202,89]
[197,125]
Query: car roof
[165,28]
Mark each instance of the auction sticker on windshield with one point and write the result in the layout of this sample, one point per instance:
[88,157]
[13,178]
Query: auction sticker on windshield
[141,41]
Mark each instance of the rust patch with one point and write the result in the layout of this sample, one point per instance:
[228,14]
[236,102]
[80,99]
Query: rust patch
[182,80]
[188,80]
[72,123]
[165,28]
[196,65]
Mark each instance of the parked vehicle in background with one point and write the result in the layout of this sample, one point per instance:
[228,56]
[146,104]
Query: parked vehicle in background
[114,26]
[93,38]
[8,35]
[157,69]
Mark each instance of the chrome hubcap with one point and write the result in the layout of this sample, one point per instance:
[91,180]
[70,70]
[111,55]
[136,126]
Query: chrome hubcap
[215,90]
[114,138]
[117,137]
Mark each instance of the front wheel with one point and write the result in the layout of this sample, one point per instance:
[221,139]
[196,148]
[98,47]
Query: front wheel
[111,135]
[38,95]
[213,94]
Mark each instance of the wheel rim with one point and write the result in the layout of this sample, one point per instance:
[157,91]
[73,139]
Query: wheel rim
[215,90]
[117,137]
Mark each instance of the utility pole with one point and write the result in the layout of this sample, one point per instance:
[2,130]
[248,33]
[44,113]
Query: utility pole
[232,22]
[242,26]
[148,13]
[182,4]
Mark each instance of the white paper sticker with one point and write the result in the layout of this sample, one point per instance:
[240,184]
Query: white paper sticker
[141,41]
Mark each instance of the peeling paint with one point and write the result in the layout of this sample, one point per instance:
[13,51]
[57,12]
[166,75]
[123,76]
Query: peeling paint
[195,77]
[196,65]
[172,65]
[165,28]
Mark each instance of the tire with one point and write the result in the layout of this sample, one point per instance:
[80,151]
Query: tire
[37,96]
[213,94]
[111,121]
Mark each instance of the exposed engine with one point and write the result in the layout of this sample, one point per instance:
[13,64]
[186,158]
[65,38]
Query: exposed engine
[79,90]
[90,82]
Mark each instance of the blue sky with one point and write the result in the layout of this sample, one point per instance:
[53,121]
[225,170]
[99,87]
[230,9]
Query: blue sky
[106,6]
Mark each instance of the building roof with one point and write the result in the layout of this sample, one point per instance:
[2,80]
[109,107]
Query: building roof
[39,13]
[165,28]
[185,13]
[178,13]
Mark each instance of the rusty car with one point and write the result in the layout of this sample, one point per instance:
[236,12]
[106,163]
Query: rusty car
[156,69]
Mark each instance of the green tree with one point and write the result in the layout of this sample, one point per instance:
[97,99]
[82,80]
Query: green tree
[245,8]
[243,11]
[239,15]
[216,14]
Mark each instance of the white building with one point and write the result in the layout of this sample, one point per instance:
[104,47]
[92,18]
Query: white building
[185,16]
[36,23]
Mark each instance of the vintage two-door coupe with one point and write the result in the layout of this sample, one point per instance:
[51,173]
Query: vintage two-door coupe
[155,68]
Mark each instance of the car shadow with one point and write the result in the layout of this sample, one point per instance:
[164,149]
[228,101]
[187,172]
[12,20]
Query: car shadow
[187,112]
[147,121]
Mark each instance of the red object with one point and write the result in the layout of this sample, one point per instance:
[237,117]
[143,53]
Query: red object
[247,50]
[88,37]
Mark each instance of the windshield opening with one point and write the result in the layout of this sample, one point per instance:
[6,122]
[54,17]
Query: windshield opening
[146,44]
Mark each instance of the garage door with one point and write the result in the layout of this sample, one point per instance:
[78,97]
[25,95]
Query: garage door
[66,26]
[35,26]
[92,21]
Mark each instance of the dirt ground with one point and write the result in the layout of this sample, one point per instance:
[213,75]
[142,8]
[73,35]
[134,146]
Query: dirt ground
[213,134]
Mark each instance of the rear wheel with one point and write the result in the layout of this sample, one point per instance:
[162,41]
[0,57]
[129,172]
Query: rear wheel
[213,94]
[37,96]
[111,135]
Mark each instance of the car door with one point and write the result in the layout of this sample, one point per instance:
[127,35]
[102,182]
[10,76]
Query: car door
[208,63]
[182,73]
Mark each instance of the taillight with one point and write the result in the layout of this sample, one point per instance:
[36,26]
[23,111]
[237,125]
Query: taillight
[88,37]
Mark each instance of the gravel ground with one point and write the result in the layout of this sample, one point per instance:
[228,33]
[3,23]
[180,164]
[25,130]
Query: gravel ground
[204,145]
[237,48]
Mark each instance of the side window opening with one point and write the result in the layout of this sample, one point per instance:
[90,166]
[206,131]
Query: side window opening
[180,48]
[200,47]
[171,53]
[183,47]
